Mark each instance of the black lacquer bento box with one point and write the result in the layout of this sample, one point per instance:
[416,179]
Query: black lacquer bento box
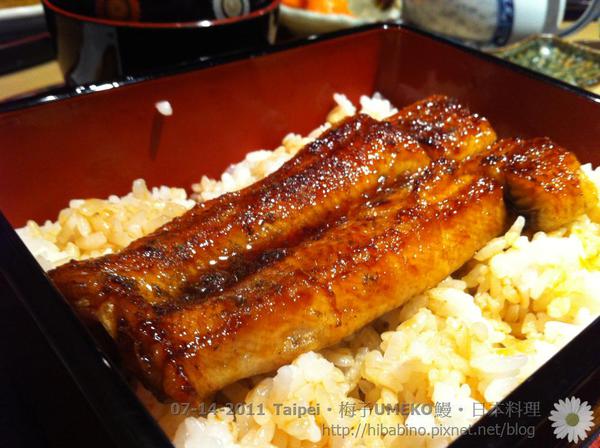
[58,387]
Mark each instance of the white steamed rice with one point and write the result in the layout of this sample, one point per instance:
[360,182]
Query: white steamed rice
[465,343]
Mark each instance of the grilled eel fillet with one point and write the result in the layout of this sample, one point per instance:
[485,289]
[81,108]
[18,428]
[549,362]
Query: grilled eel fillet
[397,244]
[445,128]
[221,241]
[543,181]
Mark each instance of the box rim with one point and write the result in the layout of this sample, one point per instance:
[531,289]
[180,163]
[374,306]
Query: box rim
[65,93]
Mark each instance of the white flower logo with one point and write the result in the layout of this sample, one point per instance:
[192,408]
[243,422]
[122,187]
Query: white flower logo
[572,419]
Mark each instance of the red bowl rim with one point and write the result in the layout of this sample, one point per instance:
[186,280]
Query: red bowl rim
[195,24]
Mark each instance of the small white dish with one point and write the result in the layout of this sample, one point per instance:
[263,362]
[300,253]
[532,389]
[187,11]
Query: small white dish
[302,22]
[21,19]
[21,12]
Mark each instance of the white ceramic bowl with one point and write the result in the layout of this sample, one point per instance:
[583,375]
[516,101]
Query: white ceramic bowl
[302,22]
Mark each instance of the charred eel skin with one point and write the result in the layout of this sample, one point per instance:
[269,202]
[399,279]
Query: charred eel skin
[397,244]
[216,242]
[445,128]
[543,181]
[394,246]
[220,242]
[316,272]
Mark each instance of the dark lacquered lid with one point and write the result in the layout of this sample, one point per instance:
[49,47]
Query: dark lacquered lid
[160,10]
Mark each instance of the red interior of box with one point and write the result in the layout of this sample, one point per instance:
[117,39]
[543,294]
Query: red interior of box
[96,145]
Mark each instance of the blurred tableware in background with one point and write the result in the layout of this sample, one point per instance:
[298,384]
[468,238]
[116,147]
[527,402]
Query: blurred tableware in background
[595,44]
[494,22]
[161,10]
[575,8]
[18,19]
[572,63]
[306,17]
[104,40]
[19,53]
[24,40]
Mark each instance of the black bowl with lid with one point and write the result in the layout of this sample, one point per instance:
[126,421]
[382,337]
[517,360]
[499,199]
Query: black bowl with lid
[99,41]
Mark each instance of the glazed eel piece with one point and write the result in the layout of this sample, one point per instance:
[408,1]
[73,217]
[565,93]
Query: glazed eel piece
[543,180]
[397,244]
[221,241]
[445,128]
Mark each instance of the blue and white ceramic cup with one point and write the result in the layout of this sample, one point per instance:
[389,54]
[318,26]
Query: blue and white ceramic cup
[493,22]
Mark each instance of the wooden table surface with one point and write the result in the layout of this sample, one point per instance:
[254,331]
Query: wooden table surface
[48,74]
